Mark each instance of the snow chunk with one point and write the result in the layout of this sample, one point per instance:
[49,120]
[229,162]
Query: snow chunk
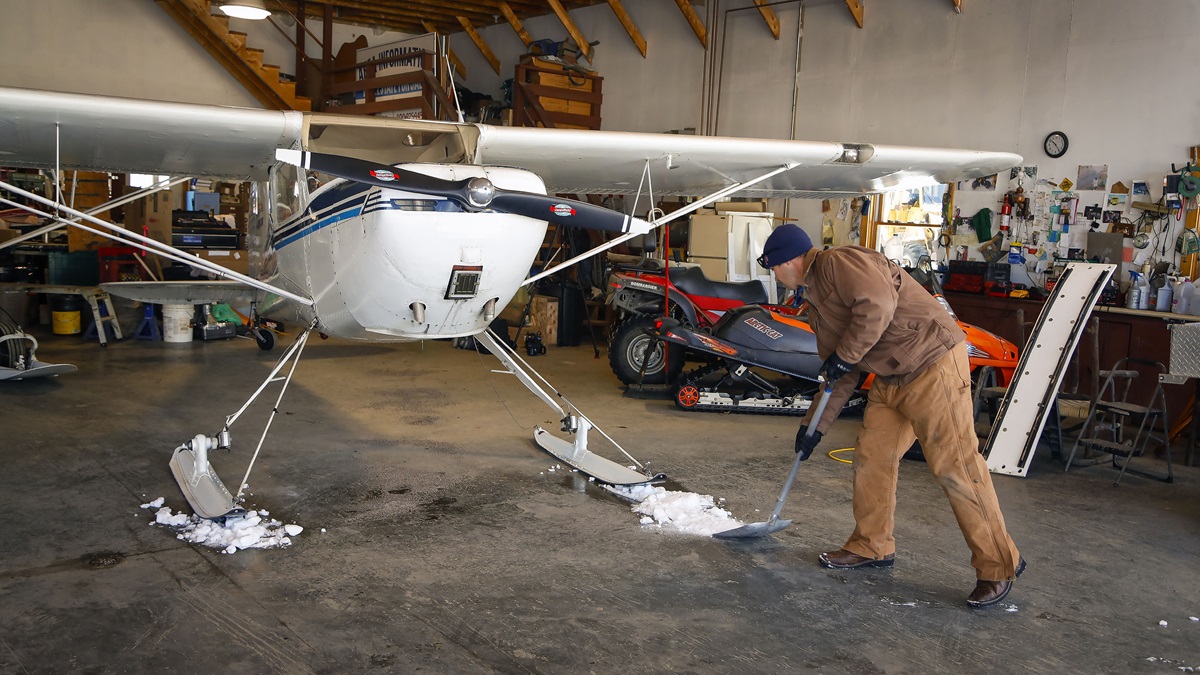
[1194,618]
[682,512]
[253,530]
[154,504]
[1162,623]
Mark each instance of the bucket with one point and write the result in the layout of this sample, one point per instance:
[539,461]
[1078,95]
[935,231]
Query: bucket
[64,314]
[177,323]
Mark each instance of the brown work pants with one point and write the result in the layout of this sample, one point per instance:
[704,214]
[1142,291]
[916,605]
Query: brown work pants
[934,408]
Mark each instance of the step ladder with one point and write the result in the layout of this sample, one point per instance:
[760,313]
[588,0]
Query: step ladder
[103,316]
[1113,414]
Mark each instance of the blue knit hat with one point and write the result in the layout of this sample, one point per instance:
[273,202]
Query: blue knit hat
[786,242]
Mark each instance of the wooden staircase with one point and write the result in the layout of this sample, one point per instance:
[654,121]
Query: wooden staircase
[229,49]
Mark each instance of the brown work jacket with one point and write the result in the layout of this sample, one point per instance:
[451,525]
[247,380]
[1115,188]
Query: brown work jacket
[871,312]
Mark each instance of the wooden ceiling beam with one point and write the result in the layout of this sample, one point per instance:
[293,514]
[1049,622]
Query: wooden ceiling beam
[572,29]
[515,23]
[769,16]
[478,40]
[856,10]
[957,6]
[630,27]
[695,22]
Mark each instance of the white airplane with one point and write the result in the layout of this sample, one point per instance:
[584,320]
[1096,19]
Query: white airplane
[419,229]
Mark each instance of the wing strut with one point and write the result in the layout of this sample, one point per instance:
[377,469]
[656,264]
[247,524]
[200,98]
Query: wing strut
[574,454]
[147,244]
[698,204]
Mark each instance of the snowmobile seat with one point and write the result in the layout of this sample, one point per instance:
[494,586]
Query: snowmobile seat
[693,281]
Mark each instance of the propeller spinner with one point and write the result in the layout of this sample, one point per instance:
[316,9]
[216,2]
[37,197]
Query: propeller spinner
[473,194]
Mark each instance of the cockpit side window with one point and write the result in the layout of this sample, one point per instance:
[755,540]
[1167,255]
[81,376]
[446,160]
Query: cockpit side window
[288,191]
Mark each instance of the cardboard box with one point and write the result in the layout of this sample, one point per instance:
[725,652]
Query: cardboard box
[238,261]
[151,216]
[708,236]
[545,318]
[753,207]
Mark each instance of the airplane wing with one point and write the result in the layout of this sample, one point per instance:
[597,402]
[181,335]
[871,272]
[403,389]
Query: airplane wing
[604,162]
[184,292]
[105,133]
[117,134]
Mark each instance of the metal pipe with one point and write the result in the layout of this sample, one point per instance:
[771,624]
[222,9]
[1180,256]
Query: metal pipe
[106,206]
[190,259]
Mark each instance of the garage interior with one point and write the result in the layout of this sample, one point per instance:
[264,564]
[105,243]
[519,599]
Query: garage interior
[434,534]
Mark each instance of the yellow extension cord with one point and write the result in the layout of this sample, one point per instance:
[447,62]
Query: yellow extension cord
[833,455]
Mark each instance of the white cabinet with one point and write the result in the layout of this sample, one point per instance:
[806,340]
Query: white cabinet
[727,246]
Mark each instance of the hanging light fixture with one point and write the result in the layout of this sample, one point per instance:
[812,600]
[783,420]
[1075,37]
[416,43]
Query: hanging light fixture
[245,9]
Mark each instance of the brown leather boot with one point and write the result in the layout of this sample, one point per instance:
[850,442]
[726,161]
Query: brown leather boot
[842,559]
[988,593]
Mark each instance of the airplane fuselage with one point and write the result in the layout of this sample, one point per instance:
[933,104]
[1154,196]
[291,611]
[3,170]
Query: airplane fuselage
[387,265]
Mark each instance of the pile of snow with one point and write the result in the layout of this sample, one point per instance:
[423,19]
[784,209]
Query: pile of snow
[254,530]
[682,512]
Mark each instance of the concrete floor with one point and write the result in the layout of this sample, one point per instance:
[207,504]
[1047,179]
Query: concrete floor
[447,547]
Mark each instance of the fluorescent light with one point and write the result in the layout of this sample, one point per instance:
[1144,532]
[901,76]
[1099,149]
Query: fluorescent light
[245,9]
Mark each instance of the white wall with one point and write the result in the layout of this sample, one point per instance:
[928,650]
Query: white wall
[1000,76]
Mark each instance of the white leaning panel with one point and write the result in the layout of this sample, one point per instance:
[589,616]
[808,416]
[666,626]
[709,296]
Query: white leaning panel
[1044,360]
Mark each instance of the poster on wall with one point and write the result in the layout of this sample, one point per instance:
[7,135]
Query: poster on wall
[1116,201]
[1092,177]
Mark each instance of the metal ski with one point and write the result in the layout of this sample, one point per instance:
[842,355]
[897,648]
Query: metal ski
[200,485]
[574,454]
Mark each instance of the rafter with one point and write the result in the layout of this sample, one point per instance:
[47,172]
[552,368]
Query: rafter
[572,29]
[695,22]
[515,23]
[957,6]
[768,15]
[856,10]
[478,40]
[630,27]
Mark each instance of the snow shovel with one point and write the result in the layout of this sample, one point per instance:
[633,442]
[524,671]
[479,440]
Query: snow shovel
[774,524]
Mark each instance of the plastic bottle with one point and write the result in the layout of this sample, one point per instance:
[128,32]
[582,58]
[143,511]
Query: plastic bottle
[1133,292]
[1143,293]
[1181,301]
[1162,299]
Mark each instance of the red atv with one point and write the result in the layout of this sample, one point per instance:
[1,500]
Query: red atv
[636,293]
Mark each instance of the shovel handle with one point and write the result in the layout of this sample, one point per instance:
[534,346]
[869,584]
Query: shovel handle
[799,457]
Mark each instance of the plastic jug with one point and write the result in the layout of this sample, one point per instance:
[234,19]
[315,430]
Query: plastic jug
[1143,293]
[894,248]
[1162,299]
[1184,294]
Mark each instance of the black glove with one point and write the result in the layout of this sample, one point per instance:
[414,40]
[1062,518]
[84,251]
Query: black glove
[834,367]
[805,444]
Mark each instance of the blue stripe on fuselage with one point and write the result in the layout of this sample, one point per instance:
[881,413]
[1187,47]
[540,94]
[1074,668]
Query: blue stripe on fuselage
[304,223]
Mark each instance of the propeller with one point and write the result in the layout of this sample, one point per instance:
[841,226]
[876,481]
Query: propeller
[473,194]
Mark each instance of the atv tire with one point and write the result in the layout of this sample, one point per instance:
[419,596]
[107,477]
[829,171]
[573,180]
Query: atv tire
[627,351]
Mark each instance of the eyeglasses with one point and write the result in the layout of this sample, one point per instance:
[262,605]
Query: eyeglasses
[762,262]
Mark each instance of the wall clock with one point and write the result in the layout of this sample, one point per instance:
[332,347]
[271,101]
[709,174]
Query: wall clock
[1055,144]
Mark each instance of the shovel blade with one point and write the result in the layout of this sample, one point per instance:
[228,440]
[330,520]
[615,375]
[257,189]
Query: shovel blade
[754,530]
[201,487]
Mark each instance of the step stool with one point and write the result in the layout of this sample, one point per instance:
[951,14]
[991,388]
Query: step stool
[1114,413]
[104,317]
